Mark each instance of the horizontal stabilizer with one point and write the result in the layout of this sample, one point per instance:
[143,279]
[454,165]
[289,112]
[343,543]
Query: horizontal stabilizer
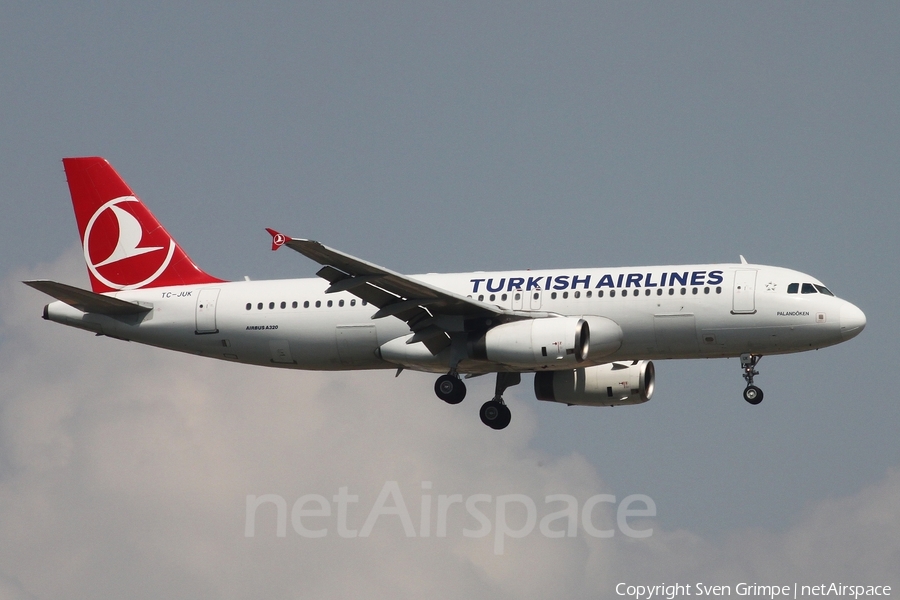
[86,301]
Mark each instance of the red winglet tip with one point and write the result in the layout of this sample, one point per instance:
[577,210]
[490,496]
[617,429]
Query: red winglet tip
[278,239]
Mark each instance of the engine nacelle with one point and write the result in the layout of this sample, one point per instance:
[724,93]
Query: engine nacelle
[533,343]
[549,342]
[606,337]
[612,384]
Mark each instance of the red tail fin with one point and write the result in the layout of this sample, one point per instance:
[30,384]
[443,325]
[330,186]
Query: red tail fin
[125,247]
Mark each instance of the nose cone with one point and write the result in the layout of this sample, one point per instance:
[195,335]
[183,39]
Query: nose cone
[852,321]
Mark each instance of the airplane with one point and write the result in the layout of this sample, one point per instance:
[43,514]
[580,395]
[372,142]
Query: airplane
[589,335]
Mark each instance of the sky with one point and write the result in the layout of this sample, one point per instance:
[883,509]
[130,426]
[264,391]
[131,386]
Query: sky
[435,137]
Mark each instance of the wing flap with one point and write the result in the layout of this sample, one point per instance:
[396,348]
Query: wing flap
[348,283]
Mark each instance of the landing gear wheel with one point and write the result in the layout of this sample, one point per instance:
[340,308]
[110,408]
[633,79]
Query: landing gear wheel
[753,394]
[450,389]
[495,415]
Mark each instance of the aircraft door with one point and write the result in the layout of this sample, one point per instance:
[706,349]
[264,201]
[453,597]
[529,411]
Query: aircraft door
[534,299]
[518,299]
[206,311]
[744,302]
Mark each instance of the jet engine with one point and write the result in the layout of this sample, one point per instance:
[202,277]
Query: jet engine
[549,341]
[612,384]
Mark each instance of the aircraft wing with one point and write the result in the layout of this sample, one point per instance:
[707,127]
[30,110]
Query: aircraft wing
[85,301]
[417,303]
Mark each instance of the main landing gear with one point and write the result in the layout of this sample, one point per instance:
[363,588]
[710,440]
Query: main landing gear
[752,394]
[494,413]
[450,388]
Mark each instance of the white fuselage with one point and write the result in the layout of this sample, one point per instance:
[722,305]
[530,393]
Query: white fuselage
[686,311]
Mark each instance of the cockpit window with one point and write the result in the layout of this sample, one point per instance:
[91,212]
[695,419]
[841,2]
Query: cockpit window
[808,288]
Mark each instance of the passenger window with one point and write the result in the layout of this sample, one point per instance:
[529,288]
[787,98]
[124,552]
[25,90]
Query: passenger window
[306,304]
[600,294]
[518,296]
[340,302]
[588,295]
[671,291]
[330,303]
[503,297]
[824,290]
[536,295]
[694,291]
[565,295]
[793,288]
[318,303]
[808,288]
[481,297]
[284,305]
[553,296]
[578,294]
[259,306]
[659,292]
[493,297]
[353,301]
[271,305]
[706,290]
[719,290]
[683,291]
[249,306]
[294,304]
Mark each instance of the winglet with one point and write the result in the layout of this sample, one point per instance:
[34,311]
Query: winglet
[278,239]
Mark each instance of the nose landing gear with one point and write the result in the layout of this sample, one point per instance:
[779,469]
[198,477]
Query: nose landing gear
[752,394]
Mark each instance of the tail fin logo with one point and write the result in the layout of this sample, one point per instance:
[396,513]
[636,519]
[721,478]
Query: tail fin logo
[120,251]
[278,239]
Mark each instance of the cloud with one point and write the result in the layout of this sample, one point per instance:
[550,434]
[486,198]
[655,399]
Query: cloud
[126,471]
